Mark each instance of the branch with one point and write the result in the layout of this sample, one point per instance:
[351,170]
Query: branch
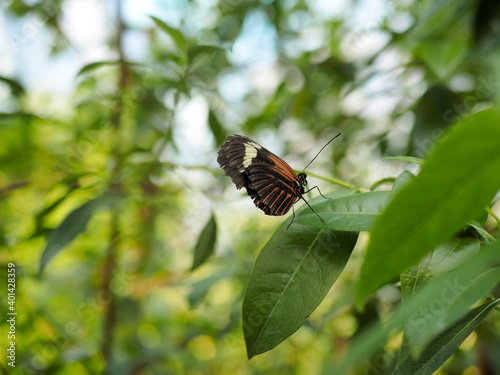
[109,324]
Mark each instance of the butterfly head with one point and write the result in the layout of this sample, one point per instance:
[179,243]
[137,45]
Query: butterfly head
[302,179]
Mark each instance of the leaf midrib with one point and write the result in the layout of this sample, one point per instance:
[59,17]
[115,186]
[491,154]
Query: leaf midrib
[286,288]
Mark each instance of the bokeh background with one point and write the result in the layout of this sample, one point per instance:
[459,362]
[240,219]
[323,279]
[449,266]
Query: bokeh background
[116,109]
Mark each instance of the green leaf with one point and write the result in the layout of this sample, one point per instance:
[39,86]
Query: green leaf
[443,346]
[454,300]
[98,64]
[409,159]
[429,320]
[199,289]
[387,180]
[22,115]
[175,34]
[39,217]
[403,180]
[437,203]
[355,212]
[216,127]
[368,342]
[476,230]
[74,224]
[443,57]
[397,183]
[206,243]
[443,259]
[441,19]
[15,87]
[204,49]
[293,273]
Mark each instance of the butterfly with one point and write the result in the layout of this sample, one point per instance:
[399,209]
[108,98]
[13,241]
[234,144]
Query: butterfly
[268,179]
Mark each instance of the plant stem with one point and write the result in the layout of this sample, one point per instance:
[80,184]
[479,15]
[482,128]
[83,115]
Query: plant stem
[109,324]
[497,219]
[339,182]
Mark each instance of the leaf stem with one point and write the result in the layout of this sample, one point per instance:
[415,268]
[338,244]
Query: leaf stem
[339,182]
[497,219]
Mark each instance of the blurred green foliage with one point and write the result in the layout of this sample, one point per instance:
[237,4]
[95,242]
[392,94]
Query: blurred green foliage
[110,189]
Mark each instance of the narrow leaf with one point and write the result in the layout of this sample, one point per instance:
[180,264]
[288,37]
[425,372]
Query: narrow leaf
[457,181]
[199,289]
[409,159]
[475,229]
[443,57]
[95,65]
[14,115]
[387,180]
[216,128]
[70,227]
[403,180]
[443,346]
[206,243]
[205,49]
[355,212]
[397,183]
[443,259]
[454,300]
[175,34]
[292,275]
[368,342]
[16,87]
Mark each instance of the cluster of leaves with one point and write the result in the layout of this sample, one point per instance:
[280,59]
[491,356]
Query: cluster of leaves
[88,184]
[418,222]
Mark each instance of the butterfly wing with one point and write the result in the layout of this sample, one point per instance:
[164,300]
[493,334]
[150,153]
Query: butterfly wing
[232,159]
[269,180]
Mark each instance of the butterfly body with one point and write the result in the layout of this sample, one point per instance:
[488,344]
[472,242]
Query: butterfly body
[268,179]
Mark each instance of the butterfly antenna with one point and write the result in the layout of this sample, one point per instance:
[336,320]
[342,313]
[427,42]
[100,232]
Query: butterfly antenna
[330,141]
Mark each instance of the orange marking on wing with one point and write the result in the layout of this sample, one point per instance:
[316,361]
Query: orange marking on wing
[287,203]
[270,197]
[279,202]
[283,168]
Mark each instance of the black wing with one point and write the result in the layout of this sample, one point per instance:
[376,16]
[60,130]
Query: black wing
[269,180]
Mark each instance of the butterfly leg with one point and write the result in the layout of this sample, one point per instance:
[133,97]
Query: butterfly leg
[315,187]
[308,205]
[293,218]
